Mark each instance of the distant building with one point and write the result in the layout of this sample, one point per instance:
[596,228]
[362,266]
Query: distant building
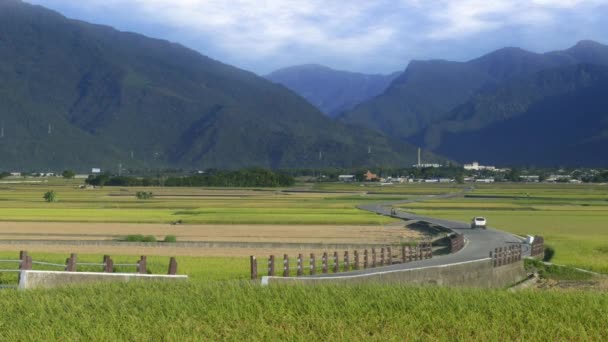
[424,166]
[485,180]
[16,174]
[369,176]
[346,178]
[530,179]
[95,170]
[476,167]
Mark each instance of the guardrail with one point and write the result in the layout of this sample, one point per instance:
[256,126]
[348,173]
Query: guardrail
[338,262]
[25,263]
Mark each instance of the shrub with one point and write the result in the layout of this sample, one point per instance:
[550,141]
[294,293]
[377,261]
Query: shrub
[139,238]
[149,238]
[549,253]
[143,195]
[50,196]
[170,238]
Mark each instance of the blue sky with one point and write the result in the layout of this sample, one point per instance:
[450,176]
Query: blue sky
[372,36]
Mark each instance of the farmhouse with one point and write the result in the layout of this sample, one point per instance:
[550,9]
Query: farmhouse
[369,176]
[346,178]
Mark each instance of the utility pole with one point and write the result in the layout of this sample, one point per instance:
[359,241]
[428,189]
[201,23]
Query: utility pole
[50,129]
[119,170]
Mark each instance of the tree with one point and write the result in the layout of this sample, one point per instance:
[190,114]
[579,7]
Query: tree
[513,175]
[50,196]
[68,174]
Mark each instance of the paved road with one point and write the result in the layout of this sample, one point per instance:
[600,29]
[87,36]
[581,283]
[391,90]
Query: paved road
[479,242]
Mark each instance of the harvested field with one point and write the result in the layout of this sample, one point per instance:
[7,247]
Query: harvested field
[163,251]
[392,233]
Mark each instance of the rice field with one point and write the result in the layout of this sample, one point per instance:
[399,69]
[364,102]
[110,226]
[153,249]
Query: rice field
[572,218]
[24,203]
[243,312]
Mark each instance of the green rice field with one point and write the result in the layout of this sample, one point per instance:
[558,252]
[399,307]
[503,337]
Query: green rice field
[244,312]
[572,218]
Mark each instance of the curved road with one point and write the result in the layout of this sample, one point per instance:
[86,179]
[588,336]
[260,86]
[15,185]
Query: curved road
[478,242]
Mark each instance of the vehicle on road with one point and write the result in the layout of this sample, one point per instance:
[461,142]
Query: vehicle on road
[479,222]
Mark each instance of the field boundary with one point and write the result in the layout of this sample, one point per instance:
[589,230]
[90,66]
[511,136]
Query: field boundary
[193,244]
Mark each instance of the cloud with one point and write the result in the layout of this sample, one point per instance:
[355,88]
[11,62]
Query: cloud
[356,34]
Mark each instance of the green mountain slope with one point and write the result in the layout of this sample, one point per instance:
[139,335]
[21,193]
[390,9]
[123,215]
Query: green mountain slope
[113,97]
[556,117]
[429,90]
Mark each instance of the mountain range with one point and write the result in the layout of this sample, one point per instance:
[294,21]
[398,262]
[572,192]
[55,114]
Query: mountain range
[332,91]
[78,95]
[507,107]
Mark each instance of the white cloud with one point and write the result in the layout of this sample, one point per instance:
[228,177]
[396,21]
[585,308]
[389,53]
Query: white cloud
[463,18]
[345,33]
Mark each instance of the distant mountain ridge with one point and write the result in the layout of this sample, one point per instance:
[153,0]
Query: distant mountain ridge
[429,90]
[78,95]
[556,117]
[331,91]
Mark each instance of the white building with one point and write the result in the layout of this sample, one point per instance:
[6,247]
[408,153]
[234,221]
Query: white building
[476,167]
[346,178]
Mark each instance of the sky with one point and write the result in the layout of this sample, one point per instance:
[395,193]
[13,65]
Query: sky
[369,36]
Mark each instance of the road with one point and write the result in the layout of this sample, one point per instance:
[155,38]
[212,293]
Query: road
[479,242]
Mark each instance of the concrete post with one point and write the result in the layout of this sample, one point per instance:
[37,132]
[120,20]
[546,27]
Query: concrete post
[382,256]
[108,264]
[313,264]
[365,259]
[373,257]
[356,264]
[254,267]
[172,266]
[346,262]
[403,255]
[26,261]
[71,263]
[336,262]
[142,265]
[390,255]
[271,266]
[285,265]
[300,271]
[324,263]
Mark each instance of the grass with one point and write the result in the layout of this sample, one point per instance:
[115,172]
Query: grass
[191,311]
[219,303]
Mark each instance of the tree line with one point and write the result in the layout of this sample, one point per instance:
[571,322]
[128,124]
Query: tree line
[239,178]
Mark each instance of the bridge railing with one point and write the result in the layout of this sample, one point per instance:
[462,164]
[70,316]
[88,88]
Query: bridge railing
[506,255]
[336,262]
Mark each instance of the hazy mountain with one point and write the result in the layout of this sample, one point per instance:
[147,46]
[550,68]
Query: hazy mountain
[553,117]
[79,95]
[429,90]
[331,91]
